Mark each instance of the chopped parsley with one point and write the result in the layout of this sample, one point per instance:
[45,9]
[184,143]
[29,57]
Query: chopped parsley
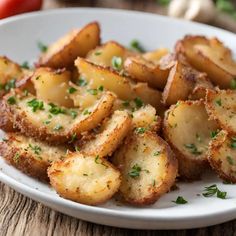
[71,90]
[86,112]
[77,148]
[116,63]
[42,47]
[193,149]
[125,103]
[230,160]
[218,102]
[58,127]
[93,91]
[233,84]
[140,130]
[233,143]
[16,158]
[163,2]
[37,149]
[73,138]
[135,171]
[97,53]
[214,133]
[180,200]
[157,153]
[101,88]
[25,65]
[227,7]
[135,45]
[11,100]
[81,82]
[55,110]
[47,122]
[138,102]
[36,105]
[9,85]
[212,190]
[74,114]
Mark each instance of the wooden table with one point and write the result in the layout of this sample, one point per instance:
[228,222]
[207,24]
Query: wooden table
[20,215]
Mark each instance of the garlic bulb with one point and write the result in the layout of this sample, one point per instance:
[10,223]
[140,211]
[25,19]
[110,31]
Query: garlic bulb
[198,10]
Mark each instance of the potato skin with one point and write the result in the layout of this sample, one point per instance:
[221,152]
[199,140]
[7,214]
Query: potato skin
[93,180]
[137,191]
[219,74]
[190,166]
[220,149]
[76,43]
[6,117]
[23,159]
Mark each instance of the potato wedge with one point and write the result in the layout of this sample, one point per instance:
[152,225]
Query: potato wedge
[188,131]
[92,180]
[148,168]
[9,73]
[222,156]
[76,43]
[109,136]
[200,51]
[143,70]
[46,121]
[30,156]
[221,107]
[53,85]
[102,55]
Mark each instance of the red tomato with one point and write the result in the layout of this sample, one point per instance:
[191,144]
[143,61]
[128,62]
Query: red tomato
[13,7]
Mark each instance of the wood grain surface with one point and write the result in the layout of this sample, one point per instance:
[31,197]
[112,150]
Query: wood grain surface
[20,215]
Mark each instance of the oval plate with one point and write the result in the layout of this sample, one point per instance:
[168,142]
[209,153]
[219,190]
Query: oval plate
[19,36]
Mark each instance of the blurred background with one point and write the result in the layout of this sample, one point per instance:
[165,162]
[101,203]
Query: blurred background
[220,13]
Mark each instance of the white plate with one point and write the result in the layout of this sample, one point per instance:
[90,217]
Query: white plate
[18,40]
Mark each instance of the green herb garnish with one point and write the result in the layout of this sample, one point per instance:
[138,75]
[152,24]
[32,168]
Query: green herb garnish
[193,149]
[74,114]
[116,63]
[81,82]
[180,200]
[135,45]
[37,150]
[25,65]
[71,90]
[135,171]
[218,102]
[140,130]
[11,100]
[86,112]
[212,190]
[138,102]
[58,127]
[55,110]
[42,47]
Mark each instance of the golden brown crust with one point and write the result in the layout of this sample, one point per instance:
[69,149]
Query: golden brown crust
[194,131]
[6,117]
[24,160]
[66,50]
[153,179]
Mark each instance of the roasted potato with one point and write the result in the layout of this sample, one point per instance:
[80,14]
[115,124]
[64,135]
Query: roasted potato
[148,168]
[53,86]
[146,117]
[9,73]
[46,121]
[76,43]
[30,156]
[155,55]
[222,156]
[92,180]
[6,117]
[221,107]
[143,70]
[102,55]
[210,56]
[188,131]
[109,136]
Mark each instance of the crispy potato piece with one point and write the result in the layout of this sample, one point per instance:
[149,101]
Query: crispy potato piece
[52,85]
[109,136]
[222,156]
[92,180]
[6,117]
[184,81]
[188,131]
[146,117]
[149,96]
[97,76]
[210,56]
[102,55]
[49,122]
[143,70]
[221,107]
[155,55]
[9,73]
[76,43]
[30,156]
[148,168]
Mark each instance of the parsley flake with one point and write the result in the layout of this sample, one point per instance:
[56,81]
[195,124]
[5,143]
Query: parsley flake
[136,46]
[71,90]
[11,100]
[212,190]
[116,63]
[180,200]
[193,149]
[42,47]
[135,171]
[36,105]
